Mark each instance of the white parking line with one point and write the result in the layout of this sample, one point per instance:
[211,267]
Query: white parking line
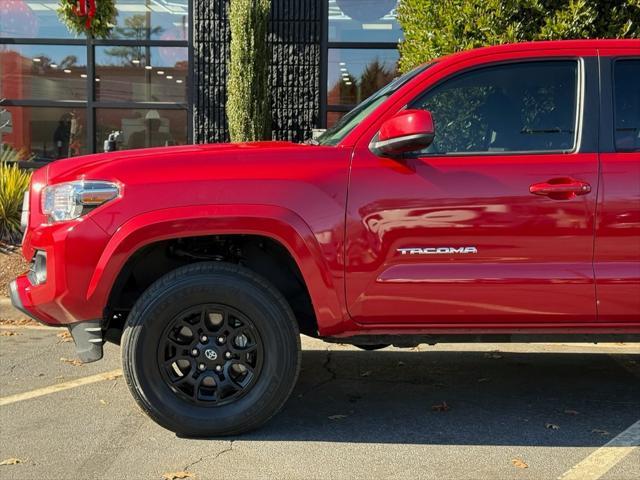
[606,457]
[78,382]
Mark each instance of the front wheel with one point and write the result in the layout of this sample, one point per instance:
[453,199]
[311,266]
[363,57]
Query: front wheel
[211,349]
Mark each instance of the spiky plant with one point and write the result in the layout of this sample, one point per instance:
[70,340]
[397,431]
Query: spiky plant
[14,181]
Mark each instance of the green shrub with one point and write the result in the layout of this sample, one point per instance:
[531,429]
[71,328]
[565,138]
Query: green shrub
[248,97]
[13,183]
[433,28]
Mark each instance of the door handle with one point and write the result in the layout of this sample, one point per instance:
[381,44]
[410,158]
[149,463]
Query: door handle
[560,188]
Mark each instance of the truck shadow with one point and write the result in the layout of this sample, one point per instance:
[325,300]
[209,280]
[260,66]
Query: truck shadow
[459,398]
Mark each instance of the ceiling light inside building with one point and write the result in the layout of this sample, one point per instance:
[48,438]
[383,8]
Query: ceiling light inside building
[343,69]
[160,72]
[37,60]
[66,70]
[178,81]
[54,65]
[342,64]
[169,77]
[377,26]
[83,75]
[348,83]
[148,67]
[135,61]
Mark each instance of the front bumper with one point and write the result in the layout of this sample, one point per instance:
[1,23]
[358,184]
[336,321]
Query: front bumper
[87,335]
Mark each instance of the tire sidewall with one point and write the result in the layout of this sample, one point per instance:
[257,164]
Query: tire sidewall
[280,362]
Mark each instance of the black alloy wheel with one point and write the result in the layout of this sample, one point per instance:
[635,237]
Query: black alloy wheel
[211,349]
[211,355]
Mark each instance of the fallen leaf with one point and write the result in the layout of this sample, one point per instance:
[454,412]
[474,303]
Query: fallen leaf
[440,407]
[365,374]
[8,333]
[337,417]
[600,432]
[103,402]
[519,463]
[483,379]
[177,475]
[72,361]
[571,412]
[115,376]
[11,461]
[494,355]
[551,426]
[64,337]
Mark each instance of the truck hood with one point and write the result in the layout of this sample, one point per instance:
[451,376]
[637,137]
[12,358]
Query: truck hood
[162,158]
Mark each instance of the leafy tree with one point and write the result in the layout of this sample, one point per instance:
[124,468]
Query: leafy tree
[375,74]
[433,28]
[248,97]
[135,28]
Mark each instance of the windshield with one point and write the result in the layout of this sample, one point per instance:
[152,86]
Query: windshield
[334,135]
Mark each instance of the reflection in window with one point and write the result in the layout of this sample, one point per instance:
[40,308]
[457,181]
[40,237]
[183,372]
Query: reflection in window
[142,127]
[363,21]
[334,117]
[507,108]
[627,105]
[354,75]
[47,133]
[152,20]
[43,72]
[32,19]
[138,73]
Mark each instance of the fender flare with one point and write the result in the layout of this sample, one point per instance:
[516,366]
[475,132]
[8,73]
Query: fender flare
[278,223]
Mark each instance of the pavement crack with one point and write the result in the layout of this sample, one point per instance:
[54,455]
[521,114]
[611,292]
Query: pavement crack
[212,457]
[326,365]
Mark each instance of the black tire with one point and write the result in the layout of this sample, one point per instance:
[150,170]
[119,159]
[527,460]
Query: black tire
[370,348]
[222,284]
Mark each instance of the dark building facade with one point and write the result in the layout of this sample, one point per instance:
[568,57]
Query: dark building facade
[160,78]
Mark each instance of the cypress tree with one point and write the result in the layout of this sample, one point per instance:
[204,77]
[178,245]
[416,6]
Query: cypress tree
[248,99]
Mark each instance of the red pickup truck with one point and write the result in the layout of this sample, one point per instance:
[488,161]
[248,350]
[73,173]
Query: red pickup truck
[491,195]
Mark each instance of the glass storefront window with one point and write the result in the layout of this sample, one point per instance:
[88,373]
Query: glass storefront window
[142,127]
[139,73]
[355,74]
[152,20]
[363,21]
[334,117]
[46,133]
[47,72]
[32,19]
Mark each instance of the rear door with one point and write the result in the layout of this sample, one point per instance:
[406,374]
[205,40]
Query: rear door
[617,255]
[455,235]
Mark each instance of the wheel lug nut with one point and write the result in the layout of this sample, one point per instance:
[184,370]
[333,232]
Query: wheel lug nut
[204,338]
[220,339]
[227,355]
[202,366]
[218,368]
[194,352]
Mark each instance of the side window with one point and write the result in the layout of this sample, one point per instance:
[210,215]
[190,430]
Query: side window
[626,93]
[516,107]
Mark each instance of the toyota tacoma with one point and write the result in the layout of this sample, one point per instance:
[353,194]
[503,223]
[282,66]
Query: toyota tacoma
[490,195]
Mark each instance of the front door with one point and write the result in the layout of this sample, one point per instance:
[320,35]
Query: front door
[494,222]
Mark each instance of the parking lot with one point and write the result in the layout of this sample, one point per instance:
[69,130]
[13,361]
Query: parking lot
[449,411]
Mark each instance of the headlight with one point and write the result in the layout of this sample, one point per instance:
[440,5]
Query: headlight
[66,201]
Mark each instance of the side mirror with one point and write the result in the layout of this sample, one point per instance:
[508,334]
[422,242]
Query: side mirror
[408,131]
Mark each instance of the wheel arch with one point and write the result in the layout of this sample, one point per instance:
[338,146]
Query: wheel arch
[276,224]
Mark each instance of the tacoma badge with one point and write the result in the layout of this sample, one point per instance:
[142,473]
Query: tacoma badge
[437,250]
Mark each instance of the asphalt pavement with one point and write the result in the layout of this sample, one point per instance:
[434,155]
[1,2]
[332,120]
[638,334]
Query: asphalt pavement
[446,412]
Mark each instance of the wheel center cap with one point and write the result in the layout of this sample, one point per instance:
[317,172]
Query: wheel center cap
[210,354]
